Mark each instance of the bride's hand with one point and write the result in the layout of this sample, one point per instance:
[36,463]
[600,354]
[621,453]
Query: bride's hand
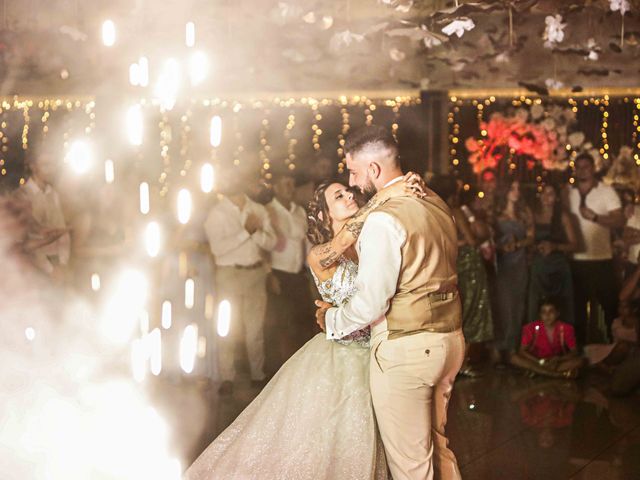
[412,185]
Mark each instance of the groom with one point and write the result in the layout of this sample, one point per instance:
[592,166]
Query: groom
[406,291]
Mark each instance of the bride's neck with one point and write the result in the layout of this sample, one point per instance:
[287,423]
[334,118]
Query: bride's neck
[337,226]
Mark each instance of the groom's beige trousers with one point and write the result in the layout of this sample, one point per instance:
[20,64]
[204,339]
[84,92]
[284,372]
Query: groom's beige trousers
[411,381]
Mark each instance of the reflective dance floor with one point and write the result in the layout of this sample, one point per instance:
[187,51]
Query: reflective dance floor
[501,426]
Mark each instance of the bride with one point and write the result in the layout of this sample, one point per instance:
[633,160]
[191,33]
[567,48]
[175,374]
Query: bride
[314,419]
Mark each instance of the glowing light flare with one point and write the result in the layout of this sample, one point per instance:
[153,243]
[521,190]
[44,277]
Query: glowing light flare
[155,347]
[95,282]
[135,125]
[143,65]
[144,198]
[215,131]
[166,315]
[207,178]
[108,33]
[144,322]
[198,68]
[134,74]
[153,239]
[80,157]
[190,34]
[168,84]
[189,293]
[188,348]
[184,206]
[224,318]
[30,333]
[126,302]
[109,171]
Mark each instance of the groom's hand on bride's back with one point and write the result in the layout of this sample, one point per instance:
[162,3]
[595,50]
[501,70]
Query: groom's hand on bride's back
[321,312]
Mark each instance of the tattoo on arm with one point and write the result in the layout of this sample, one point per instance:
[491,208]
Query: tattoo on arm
[355,228]
[329,259]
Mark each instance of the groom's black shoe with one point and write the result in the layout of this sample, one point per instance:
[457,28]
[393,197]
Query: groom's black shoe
[226,388]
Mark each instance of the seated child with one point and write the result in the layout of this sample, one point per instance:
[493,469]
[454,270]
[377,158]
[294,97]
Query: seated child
[548,346]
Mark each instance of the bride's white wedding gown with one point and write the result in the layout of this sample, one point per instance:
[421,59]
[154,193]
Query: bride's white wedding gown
[313,420]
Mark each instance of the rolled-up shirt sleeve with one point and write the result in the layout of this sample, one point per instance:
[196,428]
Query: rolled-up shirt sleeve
[380,242]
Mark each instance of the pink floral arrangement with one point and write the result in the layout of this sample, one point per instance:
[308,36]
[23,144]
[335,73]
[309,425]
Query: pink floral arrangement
[516,137]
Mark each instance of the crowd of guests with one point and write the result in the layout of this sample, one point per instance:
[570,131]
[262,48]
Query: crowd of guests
[549,279]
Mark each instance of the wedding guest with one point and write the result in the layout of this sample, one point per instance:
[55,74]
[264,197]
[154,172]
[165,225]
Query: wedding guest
[548,345]
[46,212]
[240,233]
[597,208]
[515,232]
[289,315]
[631,236]
[621,359]
[477,322]
[555,239]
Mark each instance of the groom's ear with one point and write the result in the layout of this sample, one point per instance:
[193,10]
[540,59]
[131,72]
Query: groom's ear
[374,170]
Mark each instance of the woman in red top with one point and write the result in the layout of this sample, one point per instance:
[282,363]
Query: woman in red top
[548,346]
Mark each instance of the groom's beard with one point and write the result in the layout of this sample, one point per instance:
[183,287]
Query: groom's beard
[369,190]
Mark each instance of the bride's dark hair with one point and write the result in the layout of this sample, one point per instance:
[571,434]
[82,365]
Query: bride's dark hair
[318,219]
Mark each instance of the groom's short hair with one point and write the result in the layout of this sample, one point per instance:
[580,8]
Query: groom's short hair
[372,138]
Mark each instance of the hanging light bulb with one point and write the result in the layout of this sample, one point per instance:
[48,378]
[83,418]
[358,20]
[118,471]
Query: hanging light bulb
[109,171]
[134,125]
[206,178]
[166,315]
[189,293]
[198,68]
[152,239]
[144,198]
[189,348]
[184,206]
[224,318]
[108,33]
[143,65]
[168,84]
[134,74]
[95,282]
[155,347]
[190,34]
[215,131]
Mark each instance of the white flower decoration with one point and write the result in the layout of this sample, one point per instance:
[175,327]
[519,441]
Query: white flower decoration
[554,31]
[459,26]
[553,84]
[619,5]
[345,39]
[397,55]
[593,48]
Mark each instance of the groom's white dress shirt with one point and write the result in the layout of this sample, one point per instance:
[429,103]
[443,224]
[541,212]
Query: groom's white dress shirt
[377,278]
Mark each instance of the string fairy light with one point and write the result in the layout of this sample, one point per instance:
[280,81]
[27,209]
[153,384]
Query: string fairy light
[636,129]
[265,148]
[290,160]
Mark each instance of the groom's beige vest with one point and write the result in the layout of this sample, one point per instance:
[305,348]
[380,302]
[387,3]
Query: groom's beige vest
[426,297]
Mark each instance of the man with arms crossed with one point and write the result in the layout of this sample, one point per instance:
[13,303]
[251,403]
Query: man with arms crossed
[406,291]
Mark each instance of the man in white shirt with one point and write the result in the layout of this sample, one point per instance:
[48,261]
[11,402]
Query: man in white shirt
[240,233]
[289,300]
[47,215]
[406,289]
[597,208]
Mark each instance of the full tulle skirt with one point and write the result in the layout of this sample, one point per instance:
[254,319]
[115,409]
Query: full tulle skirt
[313,420]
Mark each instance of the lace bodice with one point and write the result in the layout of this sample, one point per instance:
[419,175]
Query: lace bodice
[338,290]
